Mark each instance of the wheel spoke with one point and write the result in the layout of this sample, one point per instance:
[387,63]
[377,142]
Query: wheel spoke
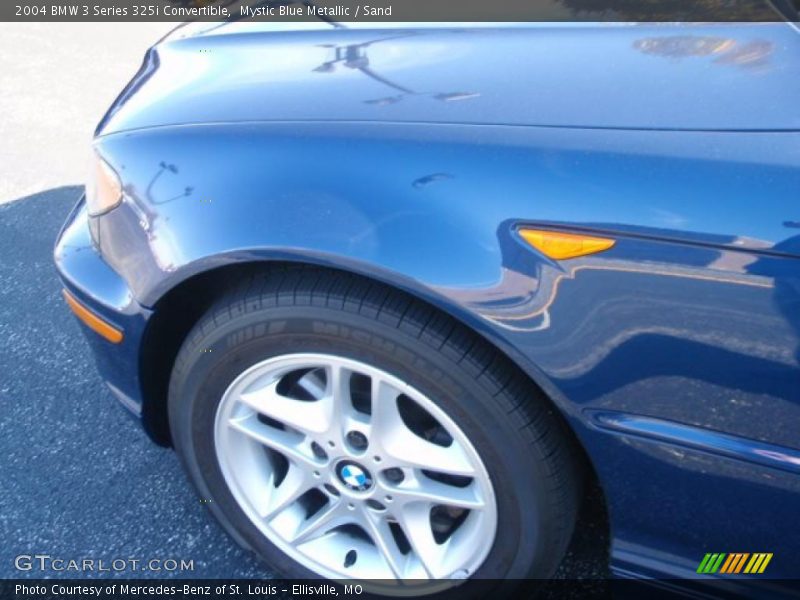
[339,389]
[402,444]
[310,416]
[381,534]
[415,522]
[328,517]
[385,414]
[291,445]
[426,455]
[428,491]
[295,483]
[338,401]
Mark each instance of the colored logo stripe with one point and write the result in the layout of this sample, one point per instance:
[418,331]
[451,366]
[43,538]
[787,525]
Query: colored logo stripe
[758,563]
[734,563]
[711,563]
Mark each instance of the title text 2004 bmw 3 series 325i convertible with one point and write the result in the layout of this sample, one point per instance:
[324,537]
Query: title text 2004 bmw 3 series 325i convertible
[396,296]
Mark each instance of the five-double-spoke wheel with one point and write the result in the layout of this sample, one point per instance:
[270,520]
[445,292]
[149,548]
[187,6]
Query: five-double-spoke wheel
[352,472]
[342,429]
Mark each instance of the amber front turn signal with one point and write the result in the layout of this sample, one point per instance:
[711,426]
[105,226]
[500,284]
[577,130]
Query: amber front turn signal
[92,321]
[559,245]
[103,188]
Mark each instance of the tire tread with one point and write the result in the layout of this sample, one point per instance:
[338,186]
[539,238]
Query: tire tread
[513,392]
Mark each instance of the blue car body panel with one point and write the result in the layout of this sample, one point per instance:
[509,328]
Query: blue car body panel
[599,76]
[673,356]
[94,283]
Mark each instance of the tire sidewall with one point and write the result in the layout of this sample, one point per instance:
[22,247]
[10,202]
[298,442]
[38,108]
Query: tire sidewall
[222,354]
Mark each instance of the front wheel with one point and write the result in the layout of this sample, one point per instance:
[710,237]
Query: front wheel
[342,429]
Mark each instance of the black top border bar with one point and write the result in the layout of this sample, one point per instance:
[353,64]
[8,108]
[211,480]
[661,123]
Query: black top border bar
[397,11]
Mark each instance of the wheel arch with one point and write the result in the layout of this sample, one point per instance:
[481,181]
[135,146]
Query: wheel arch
[178,308]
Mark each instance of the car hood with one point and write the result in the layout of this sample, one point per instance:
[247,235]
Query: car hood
[654,76]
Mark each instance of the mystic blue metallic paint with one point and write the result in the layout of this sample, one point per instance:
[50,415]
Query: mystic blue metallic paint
[413,156]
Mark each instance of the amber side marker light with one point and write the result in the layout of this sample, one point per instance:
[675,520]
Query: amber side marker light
[92,321]
[560,246]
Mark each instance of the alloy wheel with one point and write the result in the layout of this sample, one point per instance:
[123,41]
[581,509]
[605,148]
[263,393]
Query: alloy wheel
[354,473]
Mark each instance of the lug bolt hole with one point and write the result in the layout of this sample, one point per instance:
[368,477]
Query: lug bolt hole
[331,444]
[350,559]
[357,441]
[351,506]
[316,473]
[388,498]
[318,451]
[375,505]
[377,459]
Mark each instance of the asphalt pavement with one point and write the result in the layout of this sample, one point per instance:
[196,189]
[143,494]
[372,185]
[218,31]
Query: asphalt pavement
[79,478]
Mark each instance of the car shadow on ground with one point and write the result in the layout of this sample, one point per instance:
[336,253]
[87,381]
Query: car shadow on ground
[81,480]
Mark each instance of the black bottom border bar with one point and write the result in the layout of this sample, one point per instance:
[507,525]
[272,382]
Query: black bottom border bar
[281,589]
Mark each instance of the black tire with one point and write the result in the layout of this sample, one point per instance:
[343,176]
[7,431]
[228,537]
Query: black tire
[513,427]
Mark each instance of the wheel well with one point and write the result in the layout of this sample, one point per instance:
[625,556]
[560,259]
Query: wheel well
[174,315]
[179,309]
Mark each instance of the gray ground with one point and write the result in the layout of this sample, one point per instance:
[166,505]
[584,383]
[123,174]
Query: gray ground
[79,478]
[56,82]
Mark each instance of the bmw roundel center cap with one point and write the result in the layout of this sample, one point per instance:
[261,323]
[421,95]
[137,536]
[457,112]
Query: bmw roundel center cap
[354,476]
